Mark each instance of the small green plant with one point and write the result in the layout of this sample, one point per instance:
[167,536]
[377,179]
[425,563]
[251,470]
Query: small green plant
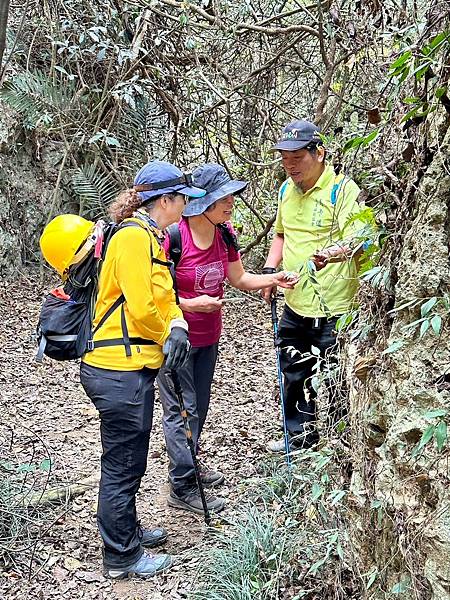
[436,430]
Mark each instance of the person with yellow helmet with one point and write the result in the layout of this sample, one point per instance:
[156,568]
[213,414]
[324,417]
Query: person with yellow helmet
[118,374]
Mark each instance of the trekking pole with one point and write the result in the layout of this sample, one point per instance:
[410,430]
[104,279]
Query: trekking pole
[190,441]
[273,309]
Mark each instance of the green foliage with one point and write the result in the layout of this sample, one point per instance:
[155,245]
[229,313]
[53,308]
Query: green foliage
[94,189]
[360,141]
[40,101]
[275,538]
[438,431]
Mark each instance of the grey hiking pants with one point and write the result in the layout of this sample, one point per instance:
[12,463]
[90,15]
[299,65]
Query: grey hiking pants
[195,378]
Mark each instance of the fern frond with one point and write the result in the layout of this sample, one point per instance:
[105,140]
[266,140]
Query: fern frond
[140,128]
[95,190]
[37,98]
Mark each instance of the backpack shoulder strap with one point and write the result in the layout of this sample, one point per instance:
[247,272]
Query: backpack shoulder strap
[338,181]
[283,189]
[175,243]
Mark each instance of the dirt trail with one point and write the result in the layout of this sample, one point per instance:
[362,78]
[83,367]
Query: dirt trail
[50,415]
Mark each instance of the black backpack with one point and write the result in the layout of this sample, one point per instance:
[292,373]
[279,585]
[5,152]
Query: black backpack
[64,329]
[175,244]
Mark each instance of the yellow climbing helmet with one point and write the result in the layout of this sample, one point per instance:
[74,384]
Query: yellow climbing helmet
[62,238]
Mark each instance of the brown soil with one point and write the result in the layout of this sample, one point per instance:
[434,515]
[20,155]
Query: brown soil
[45,414]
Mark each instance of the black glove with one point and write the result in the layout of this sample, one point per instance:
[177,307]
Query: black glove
[176,348]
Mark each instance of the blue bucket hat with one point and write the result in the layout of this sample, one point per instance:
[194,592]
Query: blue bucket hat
[158,177]
[217,183]
[298,135]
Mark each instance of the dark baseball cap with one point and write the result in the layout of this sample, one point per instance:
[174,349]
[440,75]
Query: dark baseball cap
[297,135]
[159,177]
[213,178]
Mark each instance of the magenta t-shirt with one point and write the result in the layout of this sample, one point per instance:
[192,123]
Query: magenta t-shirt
[202,272]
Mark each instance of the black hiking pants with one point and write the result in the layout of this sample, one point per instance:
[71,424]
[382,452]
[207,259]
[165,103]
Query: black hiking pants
[296,336]
[124,400]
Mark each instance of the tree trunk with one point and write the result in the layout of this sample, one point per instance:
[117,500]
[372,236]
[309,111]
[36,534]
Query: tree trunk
[4,10]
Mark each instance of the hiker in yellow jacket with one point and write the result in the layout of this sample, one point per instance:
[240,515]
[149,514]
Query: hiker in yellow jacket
[315,222]
[118,374]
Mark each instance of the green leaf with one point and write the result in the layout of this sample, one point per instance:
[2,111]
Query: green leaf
[45,464]
[344,321]
[412,100]
[424,327]
[401,586]
[410,114]
[338,495]
[315,350]
[438,412]
[440,92]
[436,324]
[315,383]
[427,306]
[426,437]
[401,60]
[396,345]
[372,577]
[353,143]
[438,39]
[26,468]
[371,137]
[368,275]
[316,491]
[440,435]
[413,325]
[316,566]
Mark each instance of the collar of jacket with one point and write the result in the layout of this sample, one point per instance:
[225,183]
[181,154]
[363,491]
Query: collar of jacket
[151,224]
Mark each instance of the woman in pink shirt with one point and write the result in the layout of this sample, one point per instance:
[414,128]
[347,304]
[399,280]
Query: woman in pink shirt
[209,256]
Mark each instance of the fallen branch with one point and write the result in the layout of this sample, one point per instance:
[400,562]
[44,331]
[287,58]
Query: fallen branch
[62,494]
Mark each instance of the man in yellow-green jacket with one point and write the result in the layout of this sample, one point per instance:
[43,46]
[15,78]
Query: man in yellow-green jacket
[316,234]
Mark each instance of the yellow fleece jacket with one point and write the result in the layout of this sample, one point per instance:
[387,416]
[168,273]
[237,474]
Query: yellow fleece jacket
[149,305]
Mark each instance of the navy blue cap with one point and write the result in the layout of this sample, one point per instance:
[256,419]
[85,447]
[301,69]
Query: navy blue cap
[158,177]
[217,183]
[297,135]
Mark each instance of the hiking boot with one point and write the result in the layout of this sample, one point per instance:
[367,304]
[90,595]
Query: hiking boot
[302,441]
[146,566]
[150,538]
[306,439]
[209,477]
[191,500]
